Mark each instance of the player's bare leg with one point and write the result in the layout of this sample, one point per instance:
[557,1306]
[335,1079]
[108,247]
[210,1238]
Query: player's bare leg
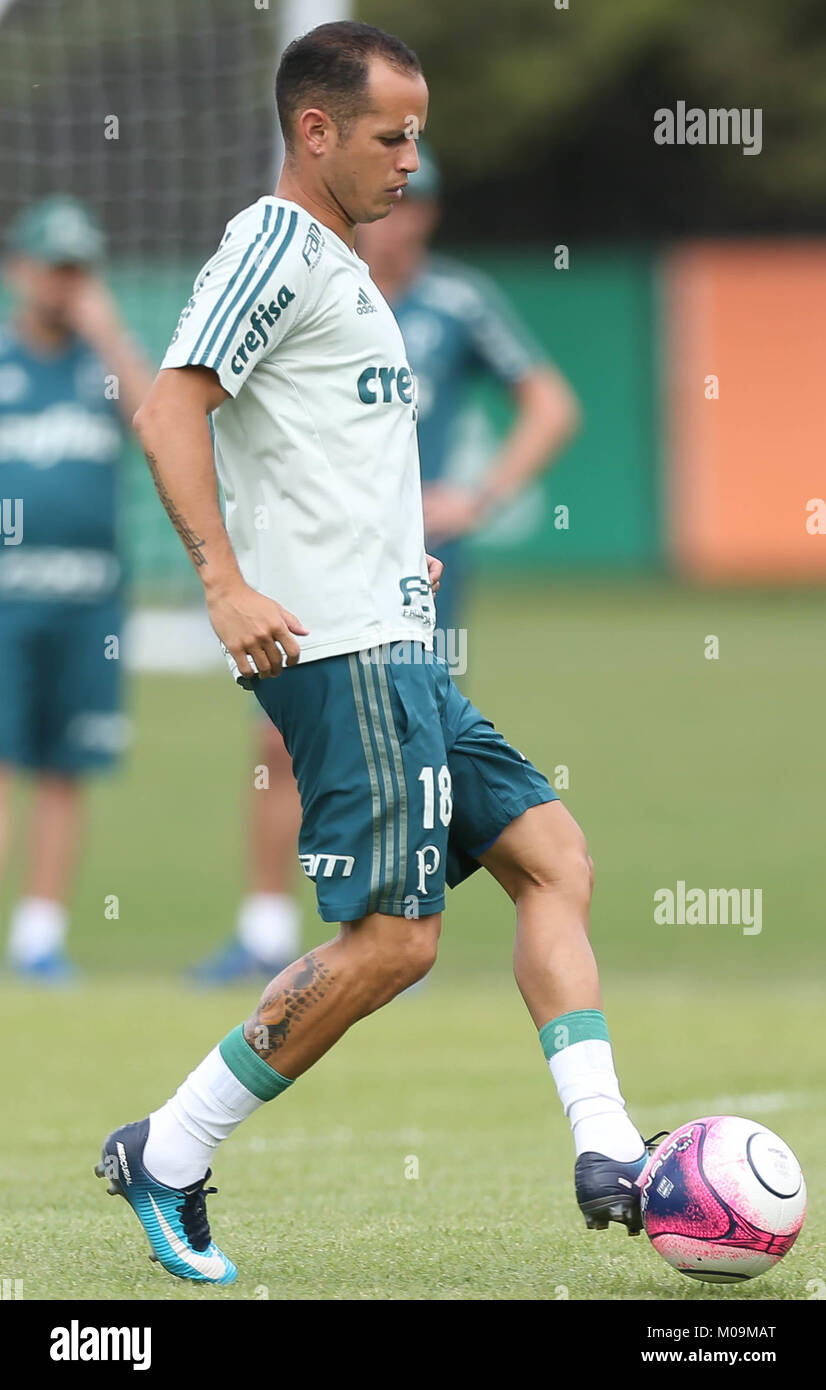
[39,921]
[542,862]
[269,920]
[54,842]
[307,1008]
[303,1011]
[274,819]
[268,928]
[161,1165]
[301,1014]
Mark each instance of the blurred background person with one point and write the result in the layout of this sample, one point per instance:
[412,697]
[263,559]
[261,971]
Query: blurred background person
[455,325]
[70,378]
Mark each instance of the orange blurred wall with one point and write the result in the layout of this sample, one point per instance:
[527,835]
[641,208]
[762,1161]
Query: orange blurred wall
[742,468]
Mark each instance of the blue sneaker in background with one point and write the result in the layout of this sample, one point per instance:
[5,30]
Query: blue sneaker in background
[232,964]
[54,969]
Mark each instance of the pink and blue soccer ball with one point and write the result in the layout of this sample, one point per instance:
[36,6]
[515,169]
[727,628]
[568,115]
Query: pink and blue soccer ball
[722,1199]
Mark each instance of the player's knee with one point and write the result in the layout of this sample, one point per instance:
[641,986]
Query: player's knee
[409,951]
[426,949]
[417,953]
[563,865]
[571,870]
[577,867]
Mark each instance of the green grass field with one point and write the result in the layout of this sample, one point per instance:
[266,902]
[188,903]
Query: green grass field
[680,768]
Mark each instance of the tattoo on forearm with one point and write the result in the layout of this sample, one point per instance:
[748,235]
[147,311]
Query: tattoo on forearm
[292,994]
[193,543]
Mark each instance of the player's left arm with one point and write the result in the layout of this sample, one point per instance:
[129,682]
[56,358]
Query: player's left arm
[95,318]
[547,416]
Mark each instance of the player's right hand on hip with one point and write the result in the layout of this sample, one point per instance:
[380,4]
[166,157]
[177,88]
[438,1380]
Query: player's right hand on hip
[250,625]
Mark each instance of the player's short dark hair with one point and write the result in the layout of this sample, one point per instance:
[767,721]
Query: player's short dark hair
[328,68]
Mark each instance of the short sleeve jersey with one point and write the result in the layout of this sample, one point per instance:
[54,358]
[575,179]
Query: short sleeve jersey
[316,449]
[456,324]
[61,443]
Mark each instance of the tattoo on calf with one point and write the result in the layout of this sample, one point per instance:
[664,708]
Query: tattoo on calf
[192,542]
[294,992]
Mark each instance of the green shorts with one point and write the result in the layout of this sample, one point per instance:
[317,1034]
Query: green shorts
[60,686]
[403,782]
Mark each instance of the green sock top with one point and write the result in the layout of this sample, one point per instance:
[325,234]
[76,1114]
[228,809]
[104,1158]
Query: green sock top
[580,1025]
[251,1070]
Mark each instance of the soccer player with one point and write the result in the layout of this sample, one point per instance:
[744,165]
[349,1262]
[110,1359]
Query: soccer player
[319,588]
[70,379]
[455,325]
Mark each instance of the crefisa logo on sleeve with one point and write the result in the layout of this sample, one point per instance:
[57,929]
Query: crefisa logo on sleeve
[257,336]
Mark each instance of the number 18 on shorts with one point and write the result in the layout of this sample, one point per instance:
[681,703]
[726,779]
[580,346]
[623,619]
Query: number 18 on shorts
[402,781]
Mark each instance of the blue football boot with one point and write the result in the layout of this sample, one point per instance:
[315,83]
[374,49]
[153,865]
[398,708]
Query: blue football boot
[174,1218]
[233,964]
[607,1190]
[54,970]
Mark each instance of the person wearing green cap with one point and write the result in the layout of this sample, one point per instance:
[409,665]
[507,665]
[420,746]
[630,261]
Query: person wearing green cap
[70,377]
[455,324]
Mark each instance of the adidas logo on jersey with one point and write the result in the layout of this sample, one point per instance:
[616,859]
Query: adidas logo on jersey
[363,304]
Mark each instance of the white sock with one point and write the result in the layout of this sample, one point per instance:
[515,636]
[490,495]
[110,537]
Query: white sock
[205,1109]
[38,927]
[269,925]
[590,1094]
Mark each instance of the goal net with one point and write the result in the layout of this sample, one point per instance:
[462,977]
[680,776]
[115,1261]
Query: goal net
[161,115]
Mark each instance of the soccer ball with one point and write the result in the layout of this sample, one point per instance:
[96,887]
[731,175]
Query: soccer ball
[722,1199]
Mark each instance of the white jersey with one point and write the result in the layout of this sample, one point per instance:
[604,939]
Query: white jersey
[316,451]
